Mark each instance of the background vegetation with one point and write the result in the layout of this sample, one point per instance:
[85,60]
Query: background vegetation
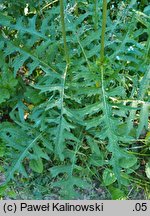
[74,99]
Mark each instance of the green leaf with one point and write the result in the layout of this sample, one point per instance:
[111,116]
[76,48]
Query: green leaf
[56,170]
[33,95]
[60,169]
[21,108]
[39,152]
[144,115]
[4,95]
[147,138]
[5,19]
[127,162]
[125,179]
[94,122]
[90,109]
[96,161]
[147,10]
[36,165]
[93,145]
[67,186]
[118,91]
[147,170]
[117,194]
[19,157]
[108,177]
[3,189]
[2,151]
[11,81]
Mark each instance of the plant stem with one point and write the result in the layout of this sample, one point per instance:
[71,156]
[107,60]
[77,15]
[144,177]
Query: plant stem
[49,4]
[104,17]
[64,30]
